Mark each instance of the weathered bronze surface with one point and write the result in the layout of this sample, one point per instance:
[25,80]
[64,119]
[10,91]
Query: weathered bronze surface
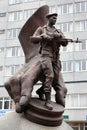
[36,20]
[20,86]
[38,113]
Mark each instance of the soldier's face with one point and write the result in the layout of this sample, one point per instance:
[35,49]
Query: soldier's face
[53,19]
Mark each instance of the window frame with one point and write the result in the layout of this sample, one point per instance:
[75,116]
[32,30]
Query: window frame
[3,100]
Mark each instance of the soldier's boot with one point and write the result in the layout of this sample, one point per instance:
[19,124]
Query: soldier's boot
[40,94]
[48,104]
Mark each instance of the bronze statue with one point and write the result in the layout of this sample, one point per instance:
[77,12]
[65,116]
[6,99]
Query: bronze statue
[41,43]
[20,86]
[48,37]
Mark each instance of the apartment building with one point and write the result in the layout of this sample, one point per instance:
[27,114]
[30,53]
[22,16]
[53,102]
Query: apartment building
[72,20]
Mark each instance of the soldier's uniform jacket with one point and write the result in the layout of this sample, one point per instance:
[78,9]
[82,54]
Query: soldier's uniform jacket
[51,48]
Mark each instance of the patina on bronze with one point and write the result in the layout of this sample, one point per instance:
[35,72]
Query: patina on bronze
[20,86]
[38,113]
[48,38]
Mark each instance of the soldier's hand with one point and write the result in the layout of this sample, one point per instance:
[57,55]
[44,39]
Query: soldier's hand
[57,35]
[45,37]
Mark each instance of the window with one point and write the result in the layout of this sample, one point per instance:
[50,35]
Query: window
[15,16]
[80,25]
[66,27]
[11,70]
[77,26]
[8,52]
[14,51]
[81,6]
[83,45]
[11,16]
[77,66]
[76,100]
[65,9]
[14,69]
[13,33]
[5,103]
[72,100]
[28,13]
[70,27]
[70,66]
[80,65]
[84,65]
[67,66]
[83,102]
[64,66]
[70,8]
[77,7]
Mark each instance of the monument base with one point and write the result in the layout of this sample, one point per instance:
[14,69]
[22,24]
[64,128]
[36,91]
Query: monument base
[14,121]
[38,113]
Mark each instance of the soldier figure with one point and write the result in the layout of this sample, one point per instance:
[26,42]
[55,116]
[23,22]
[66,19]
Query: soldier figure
[48,37]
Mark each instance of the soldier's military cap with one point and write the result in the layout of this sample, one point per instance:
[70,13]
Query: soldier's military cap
[51,14]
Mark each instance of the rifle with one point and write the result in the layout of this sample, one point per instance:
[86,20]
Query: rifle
[38,39]
[69,40]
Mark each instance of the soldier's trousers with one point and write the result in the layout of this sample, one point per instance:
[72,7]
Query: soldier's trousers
[47,68]
[56,68]
[57,82]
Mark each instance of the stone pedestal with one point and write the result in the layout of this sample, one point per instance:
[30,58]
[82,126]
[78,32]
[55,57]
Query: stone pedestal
[14,121]
[38,113]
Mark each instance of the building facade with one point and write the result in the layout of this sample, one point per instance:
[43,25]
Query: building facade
[72,20]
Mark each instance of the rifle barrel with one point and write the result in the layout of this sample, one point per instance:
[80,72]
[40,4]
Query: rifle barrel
[70,40]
